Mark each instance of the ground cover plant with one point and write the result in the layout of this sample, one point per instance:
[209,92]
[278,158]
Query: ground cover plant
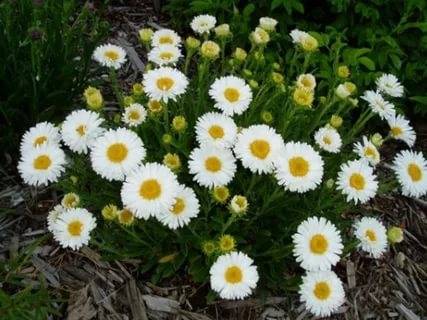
[45,49]
[229,165]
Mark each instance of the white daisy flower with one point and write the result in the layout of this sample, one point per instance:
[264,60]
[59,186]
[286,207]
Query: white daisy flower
[258,146]
[117,153]
[318,244]
[231,94]
[185,208]
[357,181]
[42,165]
[203,23]
[164,83]
[298,36]
[307,81]
[328,139]
[80,129]
[72,228]
[372,236]
[150,190]
[401,129]
[134,115]
[411,170]
[378,105]
[53,216]
[212,166]
[43,133]
[165,36]
[233,276]
[299,168]
[390,85]
[165,54]
[268,24]
[216,129]
[322,292]
[367,150]
[110,55]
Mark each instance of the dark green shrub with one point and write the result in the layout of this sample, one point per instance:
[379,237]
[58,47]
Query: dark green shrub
[45,51]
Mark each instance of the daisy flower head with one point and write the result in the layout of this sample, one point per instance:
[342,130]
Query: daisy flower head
[42,165]
[185,208]
[410,168]
[257,147]
[164,83]
[299,168]
[53,216]
[216,129]
[110,55]
[328,139]
[203,23]
[43,133]
[134,115]
[165,36]
[318,244]
[117,153]
[150,190]
[72,228]
[378,104]
[322,292]
[165,54]
[212,166]
[80,129]
[307,81]
[259,36]
[231,95]
[357,181]
[390,85]
[298,36]
[368,151]
[233,276]
[268,24]
[372,236]
[400,129]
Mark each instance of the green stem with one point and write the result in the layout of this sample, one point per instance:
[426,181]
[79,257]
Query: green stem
[115,87]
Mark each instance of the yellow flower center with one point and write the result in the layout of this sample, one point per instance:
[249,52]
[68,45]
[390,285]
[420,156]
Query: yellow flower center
[233,275]
[241,202]
[371,235]
[42,162]
[134,115]
[213,164]
[318,244]
[306,82]
[298,166]
[357,181]
[322,291]
[165,83]
[166,56]
[178,207]
[396,131]
[415,172]
[327,140]
[370,152]
[39,141]
[232,94]
[216,132]
[112,55]
[75,228]
[260,148]
[117,152]
[150,189]
[81,130]
[166,40]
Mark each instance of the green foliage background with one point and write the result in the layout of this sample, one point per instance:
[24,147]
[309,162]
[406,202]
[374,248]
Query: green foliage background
[393,33]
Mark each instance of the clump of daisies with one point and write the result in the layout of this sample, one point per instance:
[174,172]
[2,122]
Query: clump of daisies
[218,160]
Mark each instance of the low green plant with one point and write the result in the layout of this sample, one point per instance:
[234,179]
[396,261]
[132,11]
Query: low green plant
[45,49]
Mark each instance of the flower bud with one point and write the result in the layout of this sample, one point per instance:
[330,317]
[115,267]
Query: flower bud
[253,84]
[70,200]
[128,100]
[155,106]
[239,54]
[167,138]
[343,72]
[172,161]
[126,217]
[259,37]
[145,35]
[268,24]
[208,247]
[137,89]
[239,205]
[222,31]
[395,235]
[267,117]
[226,243]
[220,194]
[210,50]
[377,140]
[309,43]
[336,121]
[179,123]
[192,43]
[94,99]
[277,78]
[110,212]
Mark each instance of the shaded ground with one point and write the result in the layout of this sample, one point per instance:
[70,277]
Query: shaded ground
[394,287]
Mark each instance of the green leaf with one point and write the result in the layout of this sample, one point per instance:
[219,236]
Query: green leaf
[419,99]
[367,62]
[276,3]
